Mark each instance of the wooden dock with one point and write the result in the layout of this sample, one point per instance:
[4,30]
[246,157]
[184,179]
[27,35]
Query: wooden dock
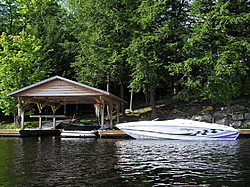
[28,132]
[244,133]
[109,134]
[114,134]
[39,132]
[9,133]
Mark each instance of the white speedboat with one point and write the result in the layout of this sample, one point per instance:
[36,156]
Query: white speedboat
[81,134]
[183,129]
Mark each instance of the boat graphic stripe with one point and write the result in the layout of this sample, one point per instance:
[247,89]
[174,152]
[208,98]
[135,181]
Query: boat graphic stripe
[191,134]
[228,135]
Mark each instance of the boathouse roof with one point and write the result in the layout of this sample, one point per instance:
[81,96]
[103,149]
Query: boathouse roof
[59,90]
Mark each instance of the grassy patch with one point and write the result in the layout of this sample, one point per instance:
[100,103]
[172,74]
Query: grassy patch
[29,124]
[9,126]
[244,127]
[86,120]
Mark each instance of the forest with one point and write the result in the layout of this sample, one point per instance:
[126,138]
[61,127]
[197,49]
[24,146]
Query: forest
[181,49]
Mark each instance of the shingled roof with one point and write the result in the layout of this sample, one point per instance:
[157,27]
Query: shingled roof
[59,90]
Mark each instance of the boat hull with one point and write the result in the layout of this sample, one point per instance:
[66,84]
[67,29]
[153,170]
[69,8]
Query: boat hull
[178,129]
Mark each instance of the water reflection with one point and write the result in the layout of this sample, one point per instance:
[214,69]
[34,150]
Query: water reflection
[52,161]
[8,151]
[78,162]
[178,163]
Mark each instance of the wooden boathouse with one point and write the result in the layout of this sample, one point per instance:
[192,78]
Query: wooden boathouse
[57,91]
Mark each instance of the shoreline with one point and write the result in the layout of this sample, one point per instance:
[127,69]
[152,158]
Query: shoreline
[107,134]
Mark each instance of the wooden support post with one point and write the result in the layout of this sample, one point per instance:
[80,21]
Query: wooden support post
[22,120]
[118,111]
[110,115]
[47,116]
[54,121]
[20,111]
[40,122]
[102,115]
[54,108]
[40,106]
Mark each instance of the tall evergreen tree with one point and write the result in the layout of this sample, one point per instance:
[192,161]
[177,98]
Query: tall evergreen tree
[218,51]
[10,18]
[46,20]
[103,32]
[157,42]
[146,34]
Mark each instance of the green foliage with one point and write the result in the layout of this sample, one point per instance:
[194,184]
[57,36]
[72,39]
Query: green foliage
[142,44]
[128,41]
[9,126]
[28,124]
[9,14]
[218,51]
[244,127]
[102,31]
[21,64]
[47,20]
[157,38]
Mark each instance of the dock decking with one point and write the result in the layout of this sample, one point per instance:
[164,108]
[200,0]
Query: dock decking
[51,132]
[28,132]
[244,133]
[9,133]
[113,134]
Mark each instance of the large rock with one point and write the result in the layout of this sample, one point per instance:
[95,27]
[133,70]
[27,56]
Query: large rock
[223,121]
[219,115]
[236,124]
[237,117]
[237,108]
[246,122]
[247,116]
[204,118]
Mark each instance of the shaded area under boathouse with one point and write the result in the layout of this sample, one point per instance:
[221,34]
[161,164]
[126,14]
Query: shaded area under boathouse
[58,92]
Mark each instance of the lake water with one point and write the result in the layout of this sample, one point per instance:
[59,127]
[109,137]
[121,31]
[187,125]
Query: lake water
[78,162]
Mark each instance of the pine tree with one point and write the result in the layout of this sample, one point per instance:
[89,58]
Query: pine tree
[218,51]
[157,43]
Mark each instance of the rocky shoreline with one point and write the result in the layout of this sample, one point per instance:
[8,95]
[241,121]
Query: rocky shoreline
[236,120]
[235,114]
[238,116]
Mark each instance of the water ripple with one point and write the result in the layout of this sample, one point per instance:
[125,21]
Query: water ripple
[58,162]
[177,163]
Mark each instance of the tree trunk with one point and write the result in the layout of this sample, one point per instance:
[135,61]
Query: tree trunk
[108,87]
[147,97]
[16,119]
[122,97]
[228,107]
[152,103]
[176,87]
[131,102]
